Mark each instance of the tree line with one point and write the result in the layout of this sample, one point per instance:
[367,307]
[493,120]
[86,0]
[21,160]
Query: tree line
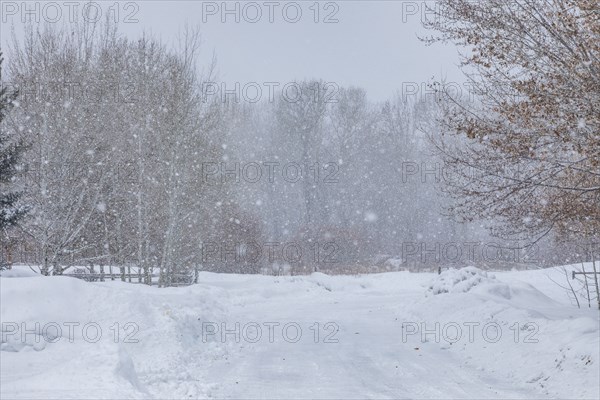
[129,162]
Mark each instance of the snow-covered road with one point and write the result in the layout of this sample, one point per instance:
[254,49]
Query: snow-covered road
[235,336]
[365,359]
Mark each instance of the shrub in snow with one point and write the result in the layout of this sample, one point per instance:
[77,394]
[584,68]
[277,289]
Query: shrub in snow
[459,280]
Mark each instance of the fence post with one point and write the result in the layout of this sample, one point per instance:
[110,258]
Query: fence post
[92,272]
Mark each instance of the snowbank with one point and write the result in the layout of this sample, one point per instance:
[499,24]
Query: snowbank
[512,330]
[459,281]
[73,339]
[17,272]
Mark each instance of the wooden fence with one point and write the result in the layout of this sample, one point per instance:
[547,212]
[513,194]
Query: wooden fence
[137,277]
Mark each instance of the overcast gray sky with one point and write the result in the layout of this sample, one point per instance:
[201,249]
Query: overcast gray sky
[373,44]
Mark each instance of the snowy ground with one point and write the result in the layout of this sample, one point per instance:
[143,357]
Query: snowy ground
[371,336]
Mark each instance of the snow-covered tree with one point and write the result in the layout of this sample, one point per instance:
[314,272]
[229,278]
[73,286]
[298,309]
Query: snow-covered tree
[11,150]
[532,161]
[117,161]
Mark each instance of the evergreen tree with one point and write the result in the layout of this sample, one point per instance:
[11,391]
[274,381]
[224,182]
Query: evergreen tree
[10,153]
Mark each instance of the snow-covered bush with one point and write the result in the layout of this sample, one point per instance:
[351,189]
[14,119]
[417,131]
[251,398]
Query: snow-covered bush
[459,280]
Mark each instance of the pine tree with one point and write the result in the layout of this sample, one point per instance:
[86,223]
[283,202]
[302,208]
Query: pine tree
[10,153]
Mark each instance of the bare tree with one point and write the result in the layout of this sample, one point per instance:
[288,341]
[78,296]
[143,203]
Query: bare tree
[533,158]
